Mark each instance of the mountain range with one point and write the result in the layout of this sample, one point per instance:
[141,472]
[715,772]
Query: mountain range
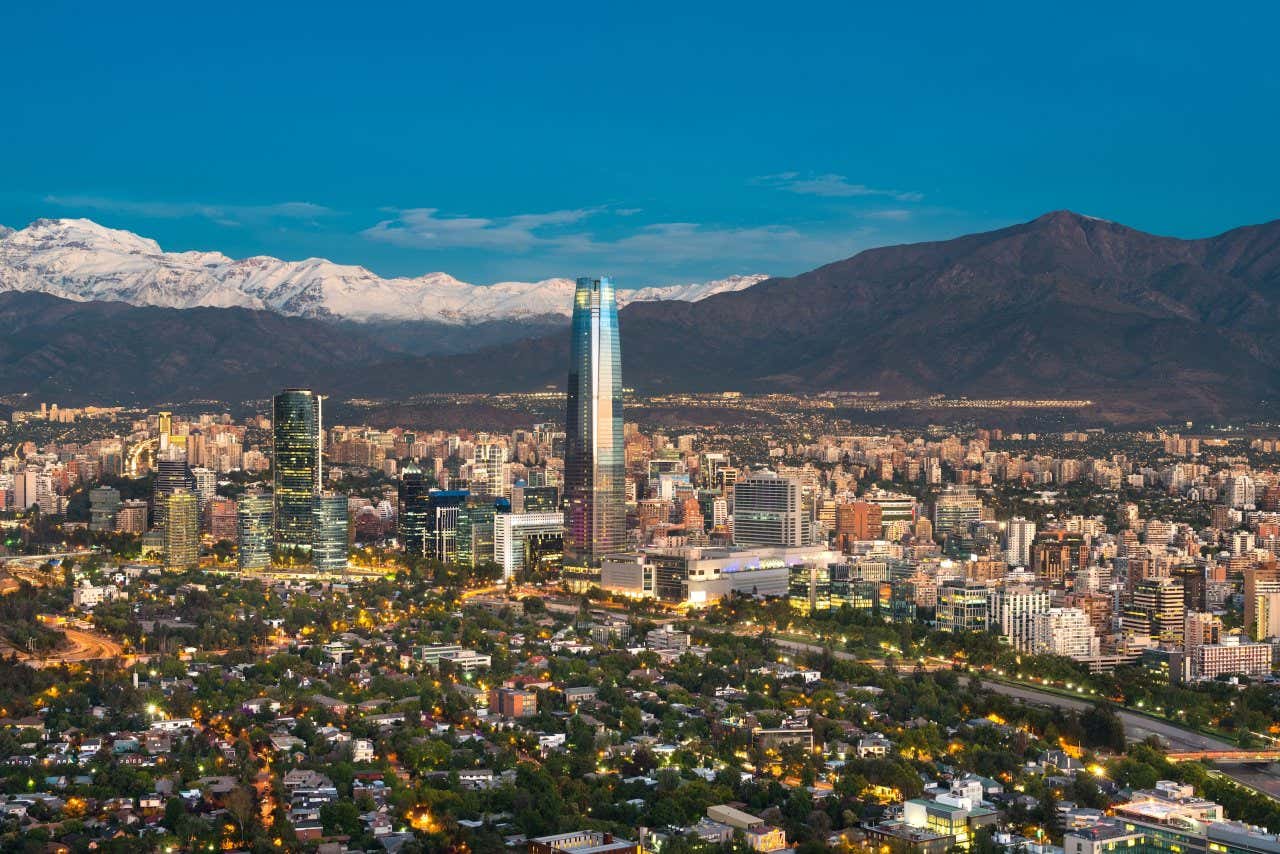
[79,259]
[1064,306]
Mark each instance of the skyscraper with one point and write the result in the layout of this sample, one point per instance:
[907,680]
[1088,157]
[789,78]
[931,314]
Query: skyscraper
[296,461]
[415,507]
[329,548]
[253,530]
[767,511]
[172,474]
[181,530]
[594,478]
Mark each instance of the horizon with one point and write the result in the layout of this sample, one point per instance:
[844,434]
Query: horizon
[628,286]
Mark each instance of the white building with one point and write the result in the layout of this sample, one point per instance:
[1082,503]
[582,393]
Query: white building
[513,533]
[1019,534]
[767,511]
[1012,611]
[1066,632]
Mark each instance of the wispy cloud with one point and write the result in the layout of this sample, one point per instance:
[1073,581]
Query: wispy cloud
[426,228]
[551,236]
[228,215]
[831,185]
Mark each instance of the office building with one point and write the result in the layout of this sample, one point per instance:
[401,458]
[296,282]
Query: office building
[767,511]
[253,531]
[1055,555]
[856,521]
[475,531]
[962,607]
[594,477]
[296,457]
[1156,609]
[104,504]
[329,545]
[415,507]
[172,474]
[532,542]
[444,507]
[955,510]
[181,532]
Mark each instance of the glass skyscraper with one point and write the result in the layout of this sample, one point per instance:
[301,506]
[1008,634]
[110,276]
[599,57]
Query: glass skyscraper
[296,462]
[253,531]
[595,486]
[329,551]
[415,507]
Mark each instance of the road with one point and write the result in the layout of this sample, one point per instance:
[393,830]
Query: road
[1136,727]
[82,646]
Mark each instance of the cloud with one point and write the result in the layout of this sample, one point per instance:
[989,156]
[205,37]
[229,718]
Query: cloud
[425,228]
[831,186]
[228,215]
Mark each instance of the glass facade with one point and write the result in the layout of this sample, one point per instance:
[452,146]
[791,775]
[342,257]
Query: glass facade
[329,523]
[181,531]
[296,462]
[253,531]
[595,486]
[415,507]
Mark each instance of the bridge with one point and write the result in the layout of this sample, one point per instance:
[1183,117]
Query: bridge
[1226,757]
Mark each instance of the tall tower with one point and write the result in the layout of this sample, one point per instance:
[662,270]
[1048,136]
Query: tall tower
[296,461]
[594,479]
[415,507]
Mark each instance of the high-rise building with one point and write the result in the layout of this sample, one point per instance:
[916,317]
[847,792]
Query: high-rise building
[857,520]
[253,531]
[131,518]
[955,510]
[104,504]
[1157,610]
[594,476]
[1013,611]
[172,474]
[181,533]
[528,541]
[767,511]
[1064,631]
[1019,533]
[329,545]
[475,532]
[415,507]
[297,438]
[444,507]
[206,485]
[1262,601]
[219,518]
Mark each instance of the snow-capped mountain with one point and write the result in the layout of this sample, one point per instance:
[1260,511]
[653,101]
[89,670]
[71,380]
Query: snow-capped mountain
[81,260]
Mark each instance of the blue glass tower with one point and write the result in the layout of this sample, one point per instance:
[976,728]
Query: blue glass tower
[595,487]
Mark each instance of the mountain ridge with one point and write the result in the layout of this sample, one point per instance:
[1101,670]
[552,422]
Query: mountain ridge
[1063,306]
[79,259]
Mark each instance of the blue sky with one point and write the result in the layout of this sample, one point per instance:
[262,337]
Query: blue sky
[660,142]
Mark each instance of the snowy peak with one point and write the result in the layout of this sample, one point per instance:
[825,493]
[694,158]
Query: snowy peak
[81,260]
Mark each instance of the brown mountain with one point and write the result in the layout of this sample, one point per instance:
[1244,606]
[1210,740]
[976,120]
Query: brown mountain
[108,352]
[1063,306]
